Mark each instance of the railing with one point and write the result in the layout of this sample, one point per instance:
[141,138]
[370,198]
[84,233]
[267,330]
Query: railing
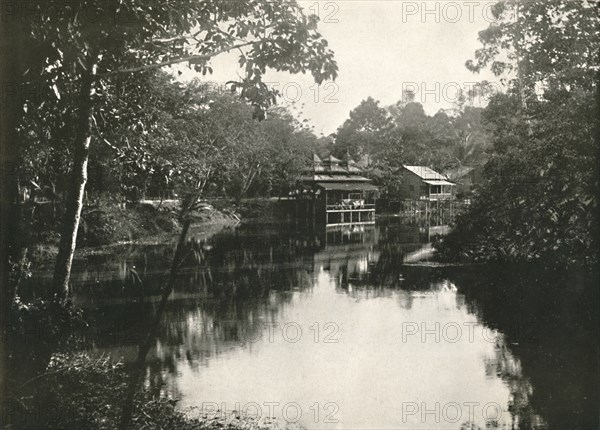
[351,207]
[436,196]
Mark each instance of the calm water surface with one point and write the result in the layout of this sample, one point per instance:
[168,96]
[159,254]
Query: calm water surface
[341,329]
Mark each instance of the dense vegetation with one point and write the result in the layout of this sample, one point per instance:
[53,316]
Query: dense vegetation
[385,138]
[165,138]
[92,67]
[197,136]
[539,199]
[404,134]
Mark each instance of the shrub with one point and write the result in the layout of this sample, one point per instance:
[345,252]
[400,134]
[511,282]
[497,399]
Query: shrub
[89,393]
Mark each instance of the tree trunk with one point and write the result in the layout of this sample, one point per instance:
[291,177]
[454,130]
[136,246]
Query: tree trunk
[522,94]
[68,239]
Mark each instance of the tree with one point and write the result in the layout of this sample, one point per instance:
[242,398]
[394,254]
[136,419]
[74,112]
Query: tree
[199,137]
[291,145]
[83,62]
[539,199]
[363,132]
[546,44]
[418,137]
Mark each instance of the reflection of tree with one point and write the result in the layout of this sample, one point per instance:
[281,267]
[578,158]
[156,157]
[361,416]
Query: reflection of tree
[506,366]
[222,295]
[548,353]
[230,285]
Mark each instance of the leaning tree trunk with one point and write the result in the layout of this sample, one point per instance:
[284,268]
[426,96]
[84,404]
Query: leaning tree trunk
[137,375]
[68,239]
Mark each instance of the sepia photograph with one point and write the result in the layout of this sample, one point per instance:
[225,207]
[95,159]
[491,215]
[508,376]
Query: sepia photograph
[300,214]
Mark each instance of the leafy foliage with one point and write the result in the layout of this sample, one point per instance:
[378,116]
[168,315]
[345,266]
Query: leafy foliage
[540,197]
[364,132]
[546,43]
[81,57]
[197,138]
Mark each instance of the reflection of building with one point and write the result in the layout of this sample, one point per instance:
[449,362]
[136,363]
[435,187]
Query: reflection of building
[348,254]
[338,192]
[423,183]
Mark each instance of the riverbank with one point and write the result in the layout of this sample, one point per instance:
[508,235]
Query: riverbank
[107,227]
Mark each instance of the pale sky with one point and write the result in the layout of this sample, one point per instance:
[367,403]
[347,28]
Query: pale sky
[382,47]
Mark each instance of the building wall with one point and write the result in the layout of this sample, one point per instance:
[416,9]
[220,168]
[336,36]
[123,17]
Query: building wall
[411,187]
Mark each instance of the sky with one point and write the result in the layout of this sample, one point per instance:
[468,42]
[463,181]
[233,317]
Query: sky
[381,48]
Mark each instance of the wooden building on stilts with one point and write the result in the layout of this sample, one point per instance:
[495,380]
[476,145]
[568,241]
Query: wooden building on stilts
[426,192]
[334,191]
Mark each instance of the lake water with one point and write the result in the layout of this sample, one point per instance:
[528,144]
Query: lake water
[346,329]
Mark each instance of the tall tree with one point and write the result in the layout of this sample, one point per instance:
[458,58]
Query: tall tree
[364,131]
[539,199]
[541,44]
[91,44]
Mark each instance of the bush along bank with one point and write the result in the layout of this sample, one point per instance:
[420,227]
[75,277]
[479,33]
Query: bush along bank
[77,391]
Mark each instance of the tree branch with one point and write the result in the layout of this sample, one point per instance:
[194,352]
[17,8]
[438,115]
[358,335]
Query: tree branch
[183,38]
[178,60]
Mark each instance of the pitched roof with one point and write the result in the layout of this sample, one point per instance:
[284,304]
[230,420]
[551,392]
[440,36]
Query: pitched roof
[345,186]
[364,161]
[334,178]
[438,182]
[425,172]
[350,164]
[332,166]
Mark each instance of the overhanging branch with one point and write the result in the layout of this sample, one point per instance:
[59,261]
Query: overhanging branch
[203,57]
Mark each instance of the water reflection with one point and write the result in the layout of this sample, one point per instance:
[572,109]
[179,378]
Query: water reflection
[335,326]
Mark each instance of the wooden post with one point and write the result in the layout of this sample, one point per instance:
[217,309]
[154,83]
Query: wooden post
[326,210]
[296,209]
